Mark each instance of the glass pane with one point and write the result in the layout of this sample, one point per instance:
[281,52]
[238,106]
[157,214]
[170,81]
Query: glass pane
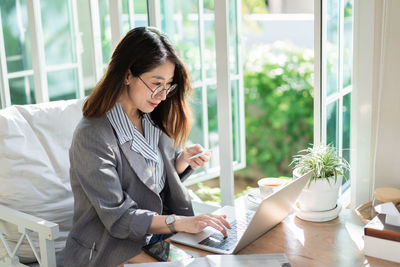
[141,17]
[348,43]
[22,90]
[16,35]
[332,46]
[58,32]
[105,29]
[346,128]
[87,53]
[235,120]
[181,23]
[196,134]
[209,56]
[67,89]
[126,25]
[213,125]
[233,38]
[134,14]
[332,124]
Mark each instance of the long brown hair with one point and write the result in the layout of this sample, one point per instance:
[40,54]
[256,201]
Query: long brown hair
[141,50]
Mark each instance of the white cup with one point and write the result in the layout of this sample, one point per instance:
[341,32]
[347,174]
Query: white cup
[269,185]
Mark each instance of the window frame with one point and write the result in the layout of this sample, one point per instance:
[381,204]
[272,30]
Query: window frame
[40,69]
[223,82]
[321,101]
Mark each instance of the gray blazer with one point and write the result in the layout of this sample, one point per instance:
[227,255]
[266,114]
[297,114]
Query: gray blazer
[115,198]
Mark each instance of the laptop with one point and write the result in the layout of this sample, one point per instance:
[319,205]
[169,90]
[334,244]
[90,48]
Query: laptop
[247,225]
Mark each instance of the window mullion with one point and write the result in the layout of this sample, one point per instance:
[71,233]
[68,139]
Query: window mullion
[4,86]
[37,48]
[340,80]
[115,21]
[96,39]
[203,75]
[319,61]
[78,48]
[131,12]
[154,11]
[242,125]
[224,102]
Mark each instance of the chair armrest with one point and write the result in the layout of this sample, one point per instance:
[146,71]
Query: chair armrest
[26,224]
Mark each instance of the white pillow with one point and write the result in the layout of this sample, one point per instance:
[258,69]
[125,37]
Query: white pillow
[34,167]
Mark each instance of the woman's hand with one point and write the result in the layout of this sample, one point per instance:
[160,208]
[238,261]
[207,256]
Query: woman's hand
[184,159]
[195,224]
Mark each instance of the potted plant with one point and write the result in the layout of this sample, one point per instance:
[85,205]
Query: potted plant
[322,191]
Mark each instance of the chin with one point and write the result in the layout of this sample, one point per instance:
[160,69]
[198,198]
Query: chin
[147,110]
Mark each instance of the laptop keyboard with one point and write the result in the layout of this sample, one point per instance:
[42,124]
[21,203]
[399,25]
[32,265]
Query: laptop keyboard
[217,240]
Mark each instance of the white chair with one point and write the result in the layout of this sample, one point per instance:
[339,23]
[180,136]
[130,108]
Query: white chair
[36,202]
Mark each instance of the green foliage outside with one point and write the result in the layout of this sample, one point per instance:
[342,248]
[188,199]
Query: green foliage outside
[278,84]
[254,7]
[278,81]
[212,195]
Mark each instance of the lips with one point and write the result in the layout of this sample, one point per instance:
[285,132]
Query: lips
[153,104]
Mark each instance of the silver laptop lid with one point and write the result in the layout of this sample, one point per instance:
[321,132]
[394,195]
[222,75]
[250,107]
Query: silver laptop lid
[272,210]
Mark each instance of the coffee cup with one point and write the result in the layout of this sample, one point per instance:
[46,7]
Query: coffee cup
[269,185]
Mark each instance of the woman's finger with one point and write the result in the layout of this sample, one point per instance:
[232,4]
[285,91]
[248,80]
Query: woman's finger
[217,225]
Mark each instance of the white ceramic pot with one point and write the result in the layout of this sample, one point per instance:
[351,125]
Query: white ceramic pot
[321,195]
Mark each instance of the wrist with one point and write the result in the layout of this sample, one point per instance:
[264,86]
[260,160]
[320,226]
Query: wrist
[180,163]
[170,221]
[178,223]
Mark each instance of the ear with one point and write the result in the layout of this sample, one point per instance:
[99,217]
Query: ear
[128,77]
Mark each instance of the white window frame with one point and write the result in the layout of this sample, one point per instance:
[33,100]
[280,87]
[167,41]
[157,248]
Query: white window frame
[223,81]
[39,68]
[320,100]
[224,102]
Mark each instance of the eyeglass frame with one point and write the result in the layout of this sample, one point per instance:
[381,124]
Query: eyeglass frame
[153,92]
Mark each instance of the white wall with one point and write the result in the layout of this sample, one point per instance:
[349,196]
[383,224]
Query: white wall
[291,6]
[295,28]
[387,160]
[375,137]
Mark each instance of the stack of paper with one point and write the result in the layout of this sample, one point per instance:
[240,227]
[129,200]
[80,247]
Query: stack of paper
[382,234]
[254,260]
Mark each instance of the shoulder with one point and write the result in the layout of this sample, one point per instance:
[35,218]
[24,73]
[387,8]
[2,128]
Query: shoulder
[94,130]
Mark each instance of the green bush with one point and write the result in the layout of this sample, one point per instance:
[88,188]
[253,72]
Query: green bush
[278,81]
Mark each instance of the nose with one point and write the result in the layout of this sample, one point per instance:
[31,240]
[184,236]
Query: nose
[162,95]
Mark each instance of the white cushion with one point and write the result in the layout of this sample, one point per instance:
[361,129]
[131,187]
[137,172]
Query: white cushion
[34,166]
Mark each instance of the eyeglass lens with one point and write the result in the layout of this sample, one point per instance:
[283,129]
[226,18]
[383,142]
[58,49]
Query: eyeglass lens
[158,91]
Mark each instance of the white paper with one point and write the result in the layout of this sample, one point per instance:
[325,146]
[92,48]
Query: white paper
[194,262]
[392,214]
[254,260]
[393,220]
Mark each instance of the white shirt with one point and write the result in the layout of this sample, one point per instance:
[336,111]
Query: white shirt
[146,145]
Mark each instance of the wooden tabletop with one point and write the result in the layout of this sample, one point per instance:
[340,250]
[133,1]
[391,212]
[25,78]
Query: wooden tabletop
[335,243]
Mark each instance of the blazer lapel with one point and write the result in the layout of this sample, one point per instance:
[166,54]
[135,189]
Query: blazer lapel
[139,166]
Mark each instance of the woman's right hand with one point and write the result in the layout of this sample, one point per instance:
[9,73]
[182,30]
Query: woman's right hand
[195,224]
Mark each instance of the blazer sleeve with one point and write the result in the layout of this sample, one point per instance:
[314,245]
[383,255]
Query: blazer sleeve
[94,167]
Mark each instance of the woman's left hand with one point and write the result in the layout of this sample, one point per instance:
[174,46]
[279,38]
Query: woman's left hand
[184,159]
[196,162]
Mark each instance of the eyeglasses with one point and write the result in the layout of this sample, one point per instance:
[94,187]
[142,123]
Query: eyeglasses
[159,90]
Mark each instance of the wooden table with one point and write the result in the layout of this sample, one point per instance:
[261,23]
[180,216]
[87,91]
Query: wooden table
[335,243]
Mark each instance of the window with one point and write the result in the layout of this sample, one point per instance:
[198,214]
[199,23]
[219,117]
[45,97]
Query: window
[336,76]
[45,44]
[191,26]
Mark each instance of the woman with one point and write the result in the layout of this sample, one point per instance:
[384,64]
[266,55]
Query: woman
[125,169]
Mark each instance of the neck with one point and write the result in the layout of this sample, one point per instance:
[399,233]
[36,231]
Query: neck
[132,112]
